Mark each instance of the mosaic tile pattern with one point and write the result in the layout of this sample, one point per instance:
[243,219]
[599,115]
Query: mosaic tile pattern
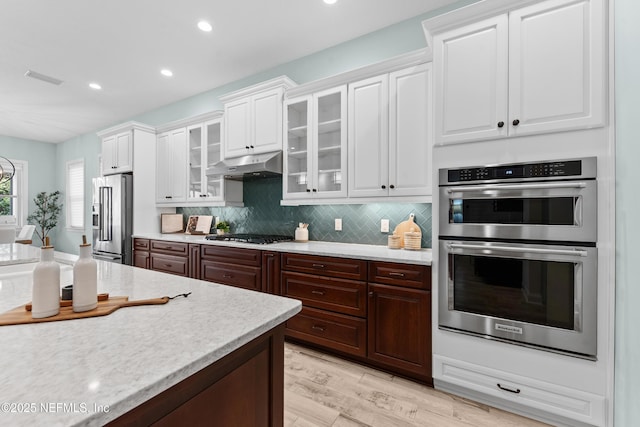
[262,213]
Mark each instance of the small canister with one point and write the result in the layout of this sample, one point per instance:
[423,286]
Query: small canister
[302,233]
[393,241]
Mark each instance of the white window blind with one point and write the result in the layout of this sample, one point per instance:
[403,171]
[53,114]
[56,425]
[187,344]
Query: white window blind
[75,194]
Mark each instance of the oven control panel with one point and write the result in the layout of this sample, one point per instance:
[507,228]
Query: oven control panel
[559,169]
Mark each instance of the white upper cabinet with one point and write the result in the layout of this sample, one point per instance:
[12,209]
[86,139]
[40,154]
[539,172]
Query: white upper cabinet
[118,147]
[117,153]
[171,173]
[389,124]
[204,150]
[315,146]
[369,137]
[532,70]
[409,126]
[253,118]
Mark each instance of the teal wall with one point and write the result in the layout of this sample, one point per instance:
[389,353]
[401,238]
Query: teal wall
[627,95]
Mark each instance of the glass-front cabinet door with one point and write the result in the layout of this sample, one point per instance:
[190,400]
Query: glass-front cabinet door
[204,151]
[315,145]
[330,142]
[195,134]
[211,152]
[297,180]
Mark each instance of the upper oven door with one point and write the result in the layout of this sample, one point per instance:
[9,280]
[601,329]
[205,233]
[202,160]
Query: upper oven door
[545,211]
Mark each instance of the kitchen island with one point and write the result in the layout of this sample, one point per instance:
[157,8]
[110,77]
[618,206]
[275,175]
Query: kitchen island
[217,353]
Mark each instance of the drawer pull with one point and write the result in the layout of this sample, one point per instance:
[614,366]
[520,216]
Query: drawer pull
[510,390]
[319,266]
[167,265]
[227,276]
[317,292]
[318,328]
[393,274]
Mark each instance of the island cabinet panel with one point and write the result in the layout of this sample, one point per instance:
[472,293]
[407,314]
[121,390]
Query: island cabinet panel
[271,272]
[344,268]
[346,334]
[170,264]
[245,388]
[399,329]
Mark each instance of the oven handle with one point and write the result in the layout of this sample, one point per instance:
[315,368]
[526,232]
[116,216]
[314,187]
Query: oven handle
[517,187]
[572,252]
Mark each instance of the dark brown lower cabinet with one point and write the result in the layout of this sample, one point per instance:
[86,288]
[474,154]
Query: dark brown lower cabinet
[271,272]
[242,276]
[245,388]
[170,264]
[399,329]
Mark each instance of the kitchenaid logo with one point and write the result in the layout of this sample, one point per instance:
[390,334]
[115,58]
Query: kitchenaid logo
[507,328]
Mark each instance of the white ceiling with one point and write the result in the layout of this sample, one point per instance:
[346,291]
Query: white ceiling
[123,44]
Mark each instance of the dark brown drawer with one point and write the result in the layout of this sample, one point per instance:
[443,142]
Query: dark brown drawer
[408,275]
[231,255]
[140,244]
[172,248]
[326,266]
[336,331]
[170,264]
[229,274]
[339,295]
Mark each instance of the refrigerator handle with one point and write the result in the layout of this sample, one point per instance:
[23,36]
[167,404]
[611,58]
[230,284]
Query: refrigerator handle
[105,214]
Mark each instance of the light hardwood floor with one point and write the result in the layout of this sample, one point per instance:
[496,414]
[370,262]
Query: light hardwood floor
[322,390]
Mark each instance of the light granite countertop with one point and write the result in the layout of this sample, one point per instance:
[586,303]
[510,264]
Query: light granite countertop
[312,247]
[90,371]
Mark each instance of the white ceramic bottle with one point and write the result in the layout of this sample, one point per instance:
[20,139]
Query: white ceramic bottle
[45,301]
[85,280]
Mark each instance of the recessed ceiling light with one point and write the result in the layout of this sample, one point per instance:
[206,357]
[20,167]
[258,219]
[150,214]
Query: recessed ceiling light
[330,1]
[95,86]
[166,72]
[205,26]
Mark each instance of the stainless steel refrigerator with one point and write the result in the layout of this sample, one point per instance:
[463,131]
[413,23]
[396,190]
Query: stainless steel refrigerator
[113,218]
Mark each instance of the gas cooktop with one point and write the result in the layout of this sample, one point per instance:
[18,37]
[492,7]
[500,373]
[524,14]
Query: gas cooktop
[260,239]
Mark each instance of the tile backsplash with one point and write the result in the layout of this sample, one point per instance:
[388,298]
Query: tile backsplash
[262,213]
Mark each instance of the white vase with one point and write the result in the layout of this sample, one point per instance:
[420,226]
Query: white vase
[45,299]
[85,281]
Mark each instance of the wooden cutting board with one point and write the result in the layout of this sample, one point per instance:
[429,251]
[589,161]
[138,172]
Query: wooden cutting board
[20,315]
[406,226]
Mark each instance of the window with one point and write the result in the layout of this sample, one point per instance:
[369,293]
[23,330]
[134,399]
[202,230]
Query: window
[75,195]
[13,194]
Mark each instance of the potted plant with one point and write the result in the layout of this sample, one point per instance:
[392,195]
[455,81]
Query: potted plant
[45,217]
[222,227]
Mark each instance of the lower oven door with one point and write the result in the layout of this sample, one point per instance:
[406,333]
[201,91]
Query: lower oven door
[538,295]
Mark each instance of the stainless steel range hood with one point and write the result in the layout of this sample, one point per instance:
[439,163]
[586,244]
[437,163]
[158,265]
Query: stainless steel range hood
[251,166]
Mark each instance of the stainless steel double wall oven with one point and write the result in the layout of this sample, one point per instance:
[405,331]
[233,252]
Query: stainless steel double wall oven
[518,256]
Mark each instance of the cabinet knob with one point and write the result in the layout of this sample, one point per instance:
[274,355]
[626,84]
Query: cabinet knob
[308,190]
[384,186]
[392,186]
[500,124]
[246,146]
[167,197]
[371,293]
[516,122]
[251,146]
[314,190]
